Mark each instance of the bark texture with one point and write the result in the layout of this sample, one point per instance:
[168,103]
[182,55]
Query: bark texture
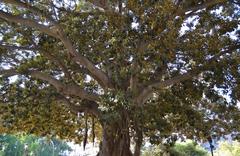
[115,142]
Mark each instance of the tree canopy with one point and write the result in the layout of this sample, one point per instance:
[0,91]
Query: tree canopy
[131,69]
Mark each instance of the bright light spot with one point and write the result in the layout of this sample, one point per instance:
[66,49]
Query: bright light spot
[135,25]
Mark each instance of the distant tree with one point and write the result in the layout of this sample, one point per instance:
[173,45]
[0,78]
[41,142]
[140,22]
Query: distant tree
[21,145]
[228,148]
[135,69]
[10,145]
[188,148]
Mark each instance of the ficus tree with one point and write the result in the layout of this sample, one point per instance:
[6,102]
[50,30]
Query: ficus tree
[134,69]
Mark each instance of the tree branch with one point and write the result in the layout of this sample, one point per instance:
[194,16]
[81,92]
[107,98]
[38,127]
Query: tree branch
[67,90]
[27,22]
[57,32]
[14,47]
[90,107]
[47,54]
[206,4]
[57,62]
[100,3]
[8,72]
[28,6]
[96,73]
[148,91]
[71,89]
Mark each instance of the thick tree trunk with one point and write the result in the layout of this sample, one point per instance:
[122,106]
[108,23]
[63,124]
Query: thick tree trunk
[116,137]
[115,143]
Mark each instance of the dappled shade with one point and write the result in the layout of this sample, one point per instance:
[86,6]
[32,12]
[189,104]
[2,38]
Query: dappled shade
[121,71]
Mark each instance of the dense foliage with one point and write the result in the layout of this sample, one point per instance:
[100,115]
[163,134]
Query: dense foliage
[122,70]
